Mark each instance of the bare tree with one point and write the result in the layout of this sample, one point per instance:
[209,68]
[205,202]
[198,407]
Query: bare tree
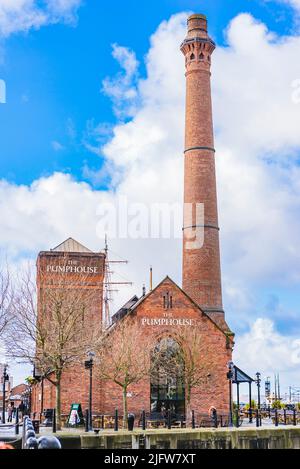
[119,359]
[51,334]
[193,352]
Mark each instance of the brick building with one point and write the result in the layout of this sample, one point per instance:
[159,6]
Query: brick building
[70,266]
[168,308]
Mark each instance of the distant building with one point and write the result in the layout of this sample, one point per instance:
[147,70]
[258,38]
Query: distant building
[19,394]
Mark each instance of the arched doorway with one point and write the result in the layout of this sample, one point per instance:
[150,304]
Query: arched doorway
[167,390]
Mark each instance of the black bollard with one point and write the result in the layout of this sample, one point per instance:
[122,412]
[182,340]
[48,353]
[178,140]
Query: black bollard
[276,418]
[29,434]
[116,421]
[54,421]
[221,421]
[193,419]
[294,417]
[31,443]
[102,422]
[169,420]
[284,416]
[143,420]
[237,418]
[130,422]
[250,415]
[17,422]
[257,417]
[48,442]
[215,417]
[269,411]
[87,420]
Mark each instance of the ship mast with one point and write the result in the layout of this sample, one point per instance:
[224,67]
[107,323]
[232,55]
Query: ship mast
[108,284]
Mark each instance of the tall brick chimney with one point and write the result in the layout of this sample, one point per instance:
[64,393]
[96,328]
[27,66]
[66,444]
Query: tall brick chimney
[201,263]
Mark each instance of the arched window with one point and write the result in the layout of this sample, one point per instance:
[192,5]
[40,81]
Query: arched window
[192,57]
[167,380]
[201,56]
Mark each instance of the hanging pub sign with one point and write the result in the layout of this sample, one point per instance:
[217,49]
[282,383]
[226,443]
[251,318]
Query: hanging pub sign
[75,416]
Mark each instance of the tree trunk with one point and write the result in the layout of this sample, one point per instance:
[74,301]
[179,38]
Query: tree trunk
[188,407]
[58,404]
[125,410]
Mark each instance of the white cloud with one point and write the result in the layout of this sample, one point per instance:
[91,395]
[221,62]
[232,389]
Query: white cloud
[57,146]
[23,15]
[256,137]
[265,350]
[122,88]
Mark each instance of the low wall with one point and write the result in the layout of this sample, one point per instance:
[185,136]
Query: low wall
[274,438]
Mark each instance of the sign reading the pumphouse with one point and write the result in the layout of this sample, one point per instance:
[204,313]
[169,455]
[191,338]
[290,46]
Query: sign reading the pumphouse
[167,320]
[72,269]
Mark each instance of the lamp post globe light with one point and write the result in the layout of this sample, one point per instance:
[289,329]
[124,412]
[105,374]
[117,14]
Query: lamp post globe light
[89,366]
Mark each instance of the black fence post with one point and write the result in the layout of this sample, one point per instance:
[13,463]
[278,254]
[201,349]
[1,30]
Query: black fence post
[257,417]
[193,419]
[116,421]
[17,422]
[87,419]
[250,415]
[237,418]
[221,421]
[276,418]
[143,420]
[54,421]
[284,416]
[294,417]
[269,411]
[102,422]
[215,419]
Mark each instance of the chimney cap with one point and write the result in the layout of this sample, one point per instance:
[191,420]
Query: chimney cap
[197,16]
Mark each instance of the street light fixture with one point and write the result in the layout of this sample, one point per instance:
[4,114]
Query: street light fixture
[258,381]
[89,366]
[5,377]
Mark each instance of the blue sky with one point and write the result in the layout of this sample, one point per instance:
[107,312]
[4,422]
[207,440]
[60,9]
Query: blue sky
[67,146]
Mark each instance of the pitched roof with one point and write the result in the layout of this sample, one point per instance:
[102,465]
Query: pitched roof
[71,245]
[125,309]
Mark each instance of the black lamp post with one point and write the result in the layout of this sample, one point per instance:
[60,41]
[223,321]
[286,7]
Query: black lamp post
[258,381]
[230,377]
[89,366]
[5,378]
